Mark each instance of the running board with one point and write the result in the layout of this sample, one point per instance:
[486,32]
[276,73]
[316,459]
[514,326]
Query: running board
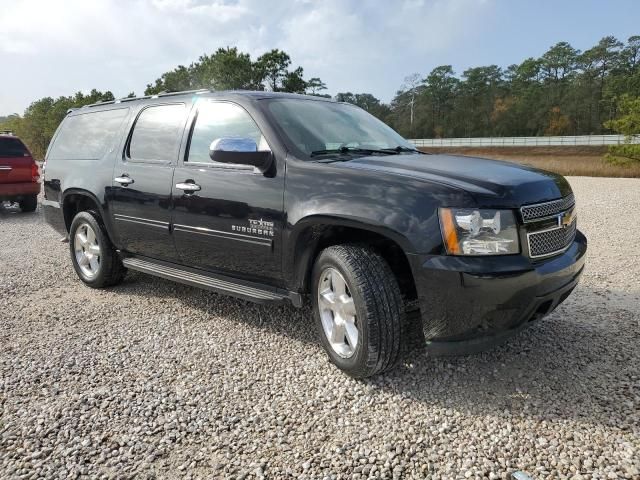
[218,284]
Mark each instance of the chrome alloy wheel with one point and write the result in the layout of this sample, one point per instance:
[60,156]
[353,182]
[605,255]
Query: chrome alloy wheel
[87,250]
[338,313]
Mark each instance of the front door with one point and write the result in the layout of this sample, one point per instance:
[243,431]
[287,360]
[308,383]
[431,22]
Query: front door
[140,196]
[227,218]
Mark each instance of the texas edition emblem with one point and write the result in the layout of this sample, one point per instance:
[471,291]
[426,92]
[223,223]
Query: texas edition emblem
[256,227]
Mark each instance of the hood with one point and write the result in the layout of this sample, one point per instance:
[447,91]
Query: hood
[490,182]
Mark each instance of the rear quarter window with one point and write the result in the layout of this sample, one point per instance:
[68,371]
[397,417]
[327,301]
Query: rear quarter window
[12,147]
[87,136]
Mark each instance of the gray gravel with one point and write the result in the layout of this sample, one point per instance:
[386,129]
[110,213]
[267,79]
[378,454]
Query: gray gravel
[154,379]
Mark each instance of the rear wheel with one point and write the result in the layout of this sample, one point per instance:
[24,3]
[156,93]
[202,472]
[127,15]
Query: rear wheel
[29,204]
[359,310]
[94,258]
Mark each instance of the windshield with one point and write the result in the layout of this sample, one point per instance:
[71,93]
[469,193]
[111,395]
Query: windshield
[329,128]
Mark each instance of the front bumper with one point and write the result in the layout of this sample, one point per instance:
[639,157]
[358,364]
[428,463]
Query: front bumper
[469,304]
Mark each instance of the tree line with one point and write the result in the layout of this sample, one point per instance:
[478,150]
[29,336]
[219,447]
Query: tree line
[41,119]
[564,92]
[225,69]
[229,69]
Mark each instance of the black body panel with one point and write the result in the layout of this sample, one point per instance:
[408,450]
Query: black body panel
[492,183]
[142,211]
[213,229]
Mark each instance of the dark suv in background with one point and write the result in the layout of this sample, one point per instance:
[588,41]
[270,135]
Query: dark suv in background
[278,198]
[19,174]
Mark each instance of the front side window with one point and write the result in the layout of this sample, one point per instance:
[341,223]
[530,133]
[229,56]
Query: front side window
[216,120]
[157,132]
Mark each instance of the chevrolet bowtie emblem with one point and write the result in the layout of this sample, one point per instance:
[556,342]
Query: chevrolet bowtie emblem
[566,218]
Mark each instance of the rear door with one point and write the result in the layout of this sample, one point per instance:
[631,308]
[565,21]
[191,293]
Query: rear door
[142,179]
[15,161]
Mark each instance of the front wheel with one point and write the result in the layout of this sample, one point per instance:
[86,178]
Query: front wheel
[359,310]
[94,258]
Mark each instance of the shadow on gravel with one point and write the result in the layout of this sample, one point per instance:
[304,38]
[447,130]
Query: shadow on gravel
[13,212]
[578,363]
[7,208]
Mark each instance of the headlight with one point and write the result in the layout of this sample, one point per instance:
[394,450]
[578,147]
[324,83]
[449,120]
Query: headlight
[469,231]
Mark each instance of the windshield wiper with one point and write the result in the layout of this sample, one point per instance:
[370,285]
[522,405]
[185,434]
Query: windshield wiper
[401,149]
[367,151]
[347,150]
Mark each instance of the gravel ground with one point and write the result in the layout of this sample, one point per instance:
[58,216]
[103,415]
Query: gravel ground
[154,379]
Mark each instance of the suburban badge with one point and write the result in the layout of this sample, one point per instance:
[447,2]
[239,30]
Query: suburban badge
[256,227]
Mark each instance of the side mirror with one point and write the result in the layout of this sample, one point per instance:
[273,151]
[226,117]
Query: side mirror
[241,151]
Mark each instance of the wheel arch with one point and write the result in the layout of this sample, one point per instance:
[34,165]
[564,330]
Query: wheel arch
[75,200]
[315,233]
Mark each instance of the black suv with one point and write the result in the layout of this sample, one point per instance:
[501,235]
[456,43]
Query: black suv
[269,197]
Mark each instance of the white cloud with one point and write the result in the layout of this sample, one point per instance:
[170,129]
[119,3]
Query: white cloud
[57,48]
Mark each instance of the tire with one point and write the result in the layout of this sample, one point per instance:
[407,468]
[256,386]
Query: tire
[104,267]
[29,204]
[377,303]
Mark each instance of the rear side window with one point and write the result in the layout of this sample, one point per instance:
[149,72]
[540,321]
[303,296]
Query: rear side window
[157,132]
[12,147]
[87,136]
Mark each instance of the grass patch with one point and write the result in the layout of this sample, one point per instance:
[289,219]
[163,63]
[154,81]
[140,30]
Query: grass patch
[576,161]
[624,155]
[621,161]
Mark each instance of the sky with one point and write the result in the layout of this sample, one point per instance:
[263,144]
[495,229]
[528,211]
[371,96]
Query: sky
[54,48]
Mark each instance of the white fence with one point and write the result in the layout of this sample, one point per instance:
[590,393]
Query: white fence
[523,141]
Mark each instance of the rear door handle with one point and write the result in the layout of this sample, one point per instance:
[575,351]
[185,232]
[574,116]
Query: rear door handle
[124,180]
[5,168]
[188,187]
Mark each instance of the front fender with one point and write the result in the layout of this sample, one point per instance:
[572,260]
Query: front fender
[401,209]
[350,221]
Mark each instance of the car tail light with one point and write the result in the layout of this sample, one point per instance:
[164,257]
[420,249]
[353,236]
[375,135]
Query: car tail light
[35,173]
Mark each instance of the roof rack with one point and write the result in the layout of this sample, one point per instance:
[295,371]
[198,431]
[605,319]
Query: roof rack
[98,104]
[170,94]
[145,97]
[6,132]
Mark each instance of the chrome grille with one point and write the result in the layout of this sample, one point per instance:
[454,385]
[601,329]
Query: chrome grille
[551,241]
[533,213]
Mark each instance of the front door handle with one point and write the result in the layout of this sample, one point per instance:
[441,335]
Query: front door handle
[124,180]
[188,187]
